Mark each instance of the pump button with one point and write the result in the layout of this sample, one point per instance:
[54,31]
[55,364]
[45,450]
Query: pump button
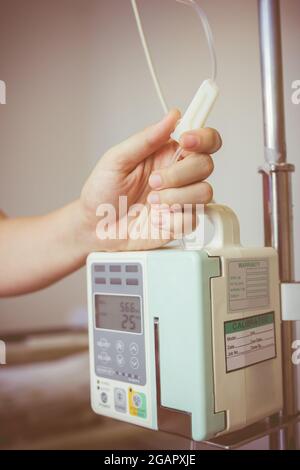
[134,362]
[134,349]
[137,401]
[120,360]
[104,397]
[120,346]
[104,357]
[120,400]
[103,343]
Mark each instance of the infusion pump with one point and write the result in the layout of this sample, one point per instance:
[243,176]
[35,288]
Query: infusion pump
[186,341]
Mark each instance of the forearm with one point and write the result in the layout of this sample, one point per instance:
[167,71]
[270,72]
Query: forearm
[37,251]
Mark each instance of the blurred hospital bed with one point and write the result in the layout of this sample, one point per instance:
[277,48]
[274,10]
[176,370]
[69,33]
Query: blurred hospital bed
[44,399]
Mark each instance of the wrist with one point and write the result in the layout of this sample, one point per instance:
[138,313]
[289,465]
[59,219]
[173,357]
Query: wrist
[83,231]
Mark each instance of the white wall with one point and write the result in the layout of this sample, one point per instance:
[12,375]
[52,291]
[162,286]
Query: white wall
[77,83]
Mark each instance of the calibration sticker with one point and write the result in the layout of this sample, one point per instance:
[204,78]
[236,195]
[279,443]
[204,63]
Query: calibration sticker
[248,284]
[249,341]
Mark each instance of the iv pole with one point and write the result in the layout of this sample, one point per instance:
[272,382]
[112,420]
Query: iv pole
[282,429]
[277,196]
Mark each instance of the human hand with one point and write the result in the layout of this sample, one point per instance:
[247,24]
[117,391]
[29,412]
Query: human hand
[139,168]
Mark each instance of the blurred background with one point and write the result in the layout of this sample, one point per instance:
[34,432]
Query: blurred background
[77,83]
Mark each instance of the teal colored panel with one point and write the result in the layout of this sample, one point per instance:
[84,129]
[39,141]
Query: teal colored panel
[179,295]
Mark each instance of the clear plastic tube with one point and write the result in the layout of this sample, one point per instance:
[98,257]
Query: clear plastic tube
[149,58]
[177,155]
[208,34]
[209,37]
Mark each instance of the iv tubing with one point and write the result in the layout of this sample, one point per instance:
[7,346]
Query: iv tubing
[149,58]
[208,33]
[209,37]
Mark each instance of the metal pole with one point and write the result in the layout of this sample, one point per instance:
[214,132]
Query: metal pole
[278,217]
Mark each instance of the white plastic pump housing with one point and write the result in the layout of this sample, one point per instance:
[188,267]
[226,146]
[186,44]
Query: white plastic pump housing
[199,109]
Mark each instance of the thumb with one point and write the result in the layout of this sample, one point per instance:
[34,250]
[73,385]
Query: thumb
[136,148]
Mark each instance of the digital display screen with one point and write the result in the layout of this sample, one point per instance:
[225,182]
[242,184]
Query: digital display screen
[118,312]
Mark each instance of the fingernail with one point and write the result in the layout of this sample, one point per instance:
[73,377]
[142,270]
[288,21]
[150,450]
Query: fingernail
[190,140]
[153,198]
[155,181]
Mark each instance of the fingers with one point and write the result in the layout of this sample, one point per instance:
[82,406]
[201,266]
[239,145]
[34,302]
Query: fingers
[174,225]
[204,140]
[197,193]
[183,183]
[138,147]
[187,171]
